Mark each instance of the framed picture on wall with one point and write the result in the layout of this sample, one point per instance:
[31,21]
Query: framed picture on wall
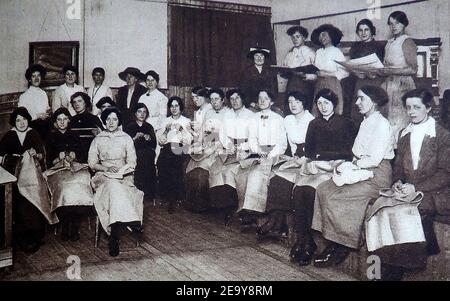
[54,56]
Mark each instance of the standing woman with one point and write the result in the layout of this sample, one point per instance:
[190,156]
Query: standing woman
[367,45]
[36,100]
[400,67]
[144,139]
[300,55]
[118,202]
[339,211]
[258,76]
[174,139]
[331,73]
[64,92]
[28,220]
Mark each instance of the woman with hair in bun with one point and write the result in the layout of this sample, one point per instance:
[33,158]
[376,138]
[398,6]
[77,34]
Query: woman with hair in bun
[63,93]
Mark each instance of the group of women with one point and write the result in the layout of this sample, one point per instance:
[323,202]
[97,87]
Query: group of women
[314,163]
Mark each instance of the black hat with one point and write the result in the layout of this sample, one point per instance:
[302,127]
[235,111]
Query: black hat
[261,50]
[33,68]
[133,71]
[104,100]
[334,32]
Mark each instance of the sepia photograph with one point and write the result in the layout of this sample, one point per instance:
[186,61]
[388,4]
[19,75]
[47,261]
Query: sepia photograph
[227,147]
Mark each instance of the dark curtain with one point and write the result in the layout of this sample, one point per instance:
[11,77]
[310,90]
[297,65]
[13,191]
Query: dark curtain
[209,47]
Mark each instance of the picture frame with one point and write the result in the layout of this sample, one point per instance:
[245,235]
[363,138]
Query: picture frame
[54,55]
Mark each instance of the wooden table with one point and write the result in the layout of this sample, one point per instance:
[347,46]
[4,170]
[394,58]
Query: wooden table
[7,180]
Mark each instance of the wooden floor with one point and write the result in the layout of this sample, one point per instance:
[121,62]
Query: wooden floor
[179,246]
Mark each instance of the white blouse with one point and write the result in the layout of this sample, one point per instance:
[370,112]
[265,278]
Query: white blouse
[96,93]
[325,61]
[236,125]
[301,56]
[35,100]
[296,129]
[62,97]
[175,136]
[156,103]
[267,128]
[374,142]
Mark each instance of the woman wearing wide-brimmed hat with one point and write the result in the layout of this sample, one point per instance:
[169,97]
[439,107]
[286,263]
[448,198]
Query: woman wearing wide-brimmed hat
[258,76]
[331,73]
[36,100]
[128,95]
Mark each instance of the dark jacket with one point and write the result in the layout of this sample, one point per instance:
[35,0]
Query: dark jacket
[432,176]
[127,113]
[252,82]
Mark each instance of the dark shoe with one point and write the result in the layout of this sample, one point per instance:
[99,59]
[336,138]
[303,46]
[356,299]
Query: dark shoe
[296,251]
[114,247]
[334,254]
[137,229]
[305,257]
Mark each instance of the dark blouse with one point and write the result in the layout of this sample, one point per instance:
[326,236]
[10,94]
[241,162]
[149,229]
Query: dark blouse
[330,140]
[252,82]
[10,145]
[361,49]
[61,142]
[133,128]
[80,121]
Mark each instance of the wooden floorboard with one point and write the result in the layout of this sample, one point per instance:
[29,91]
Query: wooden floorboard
[176,247]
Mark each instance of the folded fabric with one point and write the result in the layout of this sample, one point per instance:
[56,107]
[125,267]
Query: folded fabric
[348,173]
[394,219]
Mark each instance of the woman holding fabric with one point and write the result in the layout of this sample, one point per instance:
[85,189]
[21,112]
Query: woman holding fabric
[422,164]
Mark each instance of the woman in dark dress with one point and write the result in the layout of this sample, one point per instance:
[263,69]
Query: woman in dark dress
[72,196]
[28,221]
[84,123]
[144,139]
[174,139]
[329,140]
[367,46]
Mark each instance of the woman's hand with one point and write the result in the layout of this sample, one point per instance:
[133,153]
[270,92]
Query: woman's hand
[95,132]
[112,169]
[138,135]
[147,137]
[62,155]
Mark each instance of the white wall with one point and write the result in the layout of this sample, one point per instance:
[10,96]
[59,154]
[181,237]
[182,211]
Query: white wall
[427,20]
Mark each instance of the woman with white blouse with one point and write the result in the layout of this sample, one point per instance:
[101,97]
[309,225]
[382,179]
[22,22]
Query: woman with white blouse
[331,73]
[339,211]
[66,90]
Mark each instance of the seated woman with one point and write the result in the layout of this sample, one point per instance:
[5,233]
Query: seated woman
[234,139]
[339,211]
[422,164]
[117,201]
[328,142]
[68,182]
[331,73]
[20,149]
[204,153]
[145,143]
[84,123]
[174,139]
[267,140]
[281,185]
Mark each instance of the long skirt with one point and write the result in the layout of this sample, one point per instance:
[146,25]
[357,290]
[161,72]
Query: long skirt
[334,85]
[171,170]
[223,196]
[279,195]
[145,174]
[117,200]
[339,212]
[396,86]
[197,189]
[252,186]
